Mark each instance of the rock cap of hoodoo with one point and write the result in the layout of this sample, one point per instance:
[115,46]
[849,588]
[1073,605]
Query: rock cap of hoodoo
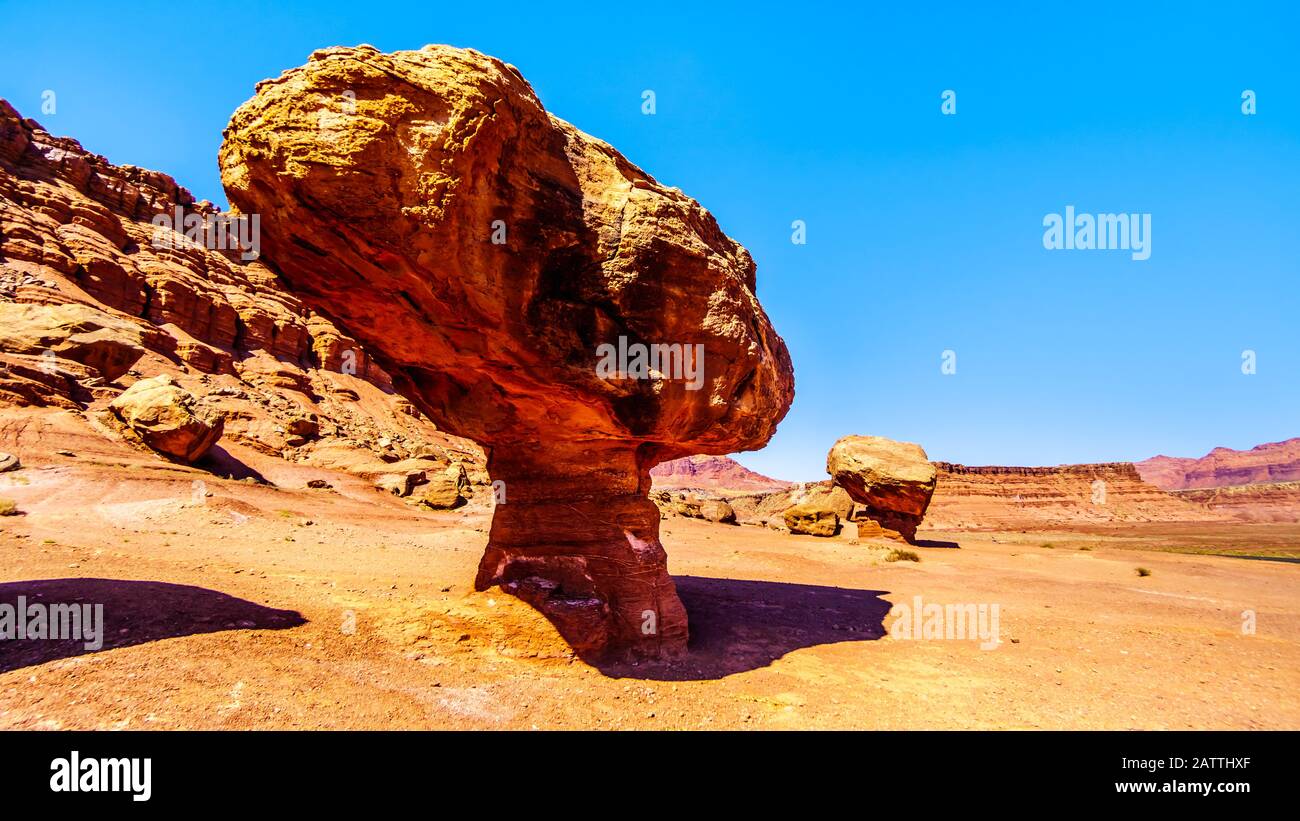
[486,252]
[893,481]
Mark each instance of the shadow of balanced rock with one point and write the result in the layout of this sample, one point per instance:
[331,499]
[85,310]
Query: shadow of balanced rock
[42,620]
[529,288]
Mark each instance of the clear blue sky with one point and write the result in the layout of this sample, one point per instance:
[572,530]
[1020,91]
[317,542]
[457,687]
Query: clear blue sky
[924,230]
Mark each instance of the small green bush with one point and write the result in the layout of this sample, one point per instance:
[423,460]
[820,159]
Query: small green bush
[899,555]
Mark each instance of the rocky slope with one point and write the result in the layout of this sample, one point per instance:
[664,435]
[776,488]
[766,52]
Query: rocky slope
[486,253]
[91,301]
[1224,467]
[720,474]
[768,509]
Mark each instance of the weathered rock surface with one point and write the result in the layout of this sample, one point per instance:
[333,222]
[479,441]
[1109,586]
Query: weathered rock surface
[811,519]
[716,510]
[401,484]
[302,429]
[892,481]
[80,333]
[84,288]
[167,418]
[9,462]
[768,509]
[427,484]
[382,182]
[444,490]
[693,507]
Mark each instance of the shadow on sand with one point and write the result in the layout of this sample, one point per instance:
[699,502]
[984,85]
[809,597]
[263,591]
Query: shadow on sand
[219,462]
[935,543]
[135,612]
[738,625]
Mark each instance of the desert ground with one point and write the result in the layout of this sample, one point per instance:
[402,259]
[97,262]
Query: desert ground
[233,605]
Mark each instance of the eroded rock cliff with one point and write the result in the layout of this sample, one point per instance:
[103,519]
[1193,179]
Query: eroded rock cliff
[91,301]
[996,497]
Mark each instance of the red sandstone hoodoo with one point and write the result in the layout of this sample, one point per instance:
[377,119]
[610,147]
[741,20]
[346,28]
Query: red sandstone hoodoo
[386,184]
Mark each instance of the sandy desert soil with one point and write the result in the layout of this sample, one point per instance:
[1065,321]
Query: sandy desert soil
[261,607]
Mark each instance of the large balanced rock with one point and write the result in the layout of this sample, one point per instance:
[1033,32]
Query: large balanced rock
[893,481]
[164,416]
[511,274]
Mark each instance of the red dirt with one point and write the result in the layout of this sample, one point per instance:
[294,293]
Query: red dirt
[788,631]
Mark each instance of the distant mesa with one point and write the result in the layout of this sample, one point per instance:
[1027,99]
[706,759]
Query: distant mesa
[1224,467]
[999,497]
[716,473]
[1010,497]
[1261,484]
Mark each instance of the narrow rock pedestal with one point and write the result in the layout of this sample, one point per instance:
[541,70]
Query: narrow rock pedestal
[581,544]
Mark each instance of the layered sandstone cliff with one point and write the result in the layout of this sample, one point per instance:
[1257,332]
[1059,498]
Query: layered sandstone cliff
[484,252]
[1260,502]
[93,298]
[1027,497]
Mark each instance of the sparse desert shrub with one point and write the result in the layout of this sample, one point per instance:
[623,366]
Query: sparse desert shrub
[1086,547]
[1142,571]
[897,554]
[8,507]
[1048,545]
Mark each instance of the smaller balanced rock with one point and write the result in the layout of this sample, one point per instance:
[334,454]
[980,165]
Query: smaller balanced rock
[893,481]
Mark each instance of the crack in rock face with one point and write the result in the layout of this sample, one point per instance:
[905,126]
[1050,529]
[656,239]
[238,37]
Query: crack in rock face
[490,257]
